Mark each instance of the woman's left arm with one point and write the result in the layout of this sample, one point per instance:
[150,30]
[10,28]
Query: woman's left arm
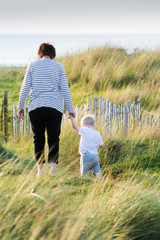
[25,88]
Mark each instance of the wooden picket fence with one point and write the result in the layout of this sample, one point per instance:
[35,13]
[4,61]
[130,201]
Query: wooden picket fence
[123,117]
[113,117]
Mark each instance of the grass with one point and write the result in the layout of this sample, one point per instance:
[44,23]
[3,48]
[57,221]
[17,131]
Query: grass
[125,205]
[109,72]
[116,75]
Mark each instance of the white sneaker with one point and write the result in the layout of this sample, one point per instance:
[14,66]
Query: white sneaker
[53,168]
[40,169]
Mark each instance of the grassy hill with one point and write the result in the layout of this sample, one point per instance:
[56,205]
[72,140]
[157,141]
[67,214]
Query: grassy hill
[109,72]
[125,205]
[116,75]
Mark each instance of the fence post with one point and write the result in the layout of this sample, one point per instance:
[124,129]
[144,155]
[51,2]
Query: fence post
[159,121]
[25,119]
[128,113]
[143,121]
[110,116]
[152,120]
[14,121]
[89,105]
[107,109]
[117,118]
[132,115]
[5,116]
[100,106]
[103,110]
[95,106]
[114,113]
[122,115]
[85,109]
[139,114]
[2,115]
[126,119]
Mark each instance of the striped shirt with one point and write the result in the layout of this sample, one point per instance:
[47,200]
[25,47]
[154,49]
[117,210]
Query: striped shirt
[48,84]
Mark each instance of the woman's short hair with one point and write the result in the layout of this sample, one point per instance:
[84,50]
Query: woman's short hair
[88,120]
[47,49]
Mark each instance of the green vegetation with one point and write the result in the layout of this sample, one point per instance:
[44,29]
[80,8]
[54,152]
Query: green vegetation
[109,72]
[125,205]
[114,74]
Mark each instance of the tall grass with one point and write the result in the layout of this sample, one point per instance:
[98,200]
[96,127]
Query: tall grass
[65,206]
[109,72]
[125,205]
[117,75]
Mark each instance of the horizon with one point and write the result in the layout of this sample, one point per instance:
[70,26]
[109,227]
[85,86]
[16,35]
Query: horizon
[22,48]
[158,33]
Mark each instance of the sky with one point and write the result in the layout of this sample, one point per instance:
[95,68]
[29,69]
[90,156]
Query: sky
[79,16]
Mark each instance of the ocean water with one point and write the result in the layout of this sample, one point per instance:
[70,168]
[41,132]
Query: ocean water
[19,50]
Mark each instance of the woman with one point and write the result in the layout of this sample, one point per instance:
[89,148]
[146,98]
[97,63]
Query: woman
[48,84]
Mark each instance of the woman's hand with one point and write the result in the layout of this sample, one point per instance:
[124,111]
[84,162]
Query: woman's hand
[72,114]
[21,113]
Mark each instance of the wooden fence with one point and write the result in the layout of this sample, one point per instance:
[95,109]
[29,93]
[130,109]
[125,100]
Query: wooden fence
[4,116]
[113,117]
[118,117]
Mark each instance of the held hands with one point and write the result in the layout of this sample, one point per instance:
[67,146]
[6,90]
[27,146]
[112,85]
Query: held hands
[70,115]
[21,113]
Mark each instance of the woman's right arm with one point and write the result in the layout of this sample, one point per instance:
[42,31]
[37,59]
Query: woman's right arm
[66,92]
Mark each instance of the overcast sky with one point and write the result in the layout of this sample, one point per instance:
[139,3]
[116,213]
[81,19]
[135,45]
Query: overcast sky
[79,16]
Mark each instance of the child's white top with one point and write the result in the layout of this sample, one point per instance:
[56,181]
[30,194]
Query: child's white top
[90,140]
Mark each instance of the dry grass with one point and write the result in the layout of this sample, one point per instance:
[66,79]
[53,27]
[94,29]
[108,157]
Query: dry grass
[125,205]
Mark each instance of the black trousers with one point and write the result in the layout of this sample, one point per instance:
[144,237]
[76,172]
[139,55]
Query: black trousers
[49,119]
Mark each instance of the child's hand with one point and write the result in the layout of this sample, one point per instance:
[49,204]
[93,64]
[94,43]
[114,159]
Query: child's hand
[100,146]
[70,116]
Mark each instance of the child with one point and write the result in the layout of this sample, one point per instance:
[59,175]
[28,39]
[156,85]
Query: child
[90,141]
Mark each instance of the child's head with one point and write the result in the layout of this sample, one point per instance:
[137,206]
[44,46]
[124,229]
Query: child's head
[88,121]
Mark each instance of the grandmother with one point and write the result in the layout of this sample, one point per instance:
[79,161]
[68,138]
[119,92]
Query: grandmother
[46,78]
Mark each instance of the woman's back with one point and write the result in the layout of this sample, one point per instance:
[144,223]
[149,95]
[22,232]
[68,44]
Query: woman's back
[45,75]
[47,81]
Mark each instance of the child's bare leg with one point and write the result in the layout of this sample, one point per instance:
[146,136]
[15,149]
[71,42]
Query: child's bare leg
[98,175]
[53,168]
[40,169]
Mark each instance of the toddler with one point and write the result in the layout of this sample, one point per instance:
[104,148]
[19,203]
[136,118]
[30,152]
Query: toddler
[90,141]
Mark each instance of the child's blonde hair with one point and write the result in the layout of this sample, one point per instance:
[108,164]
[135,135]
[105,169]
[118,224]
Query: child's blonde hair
[88,120]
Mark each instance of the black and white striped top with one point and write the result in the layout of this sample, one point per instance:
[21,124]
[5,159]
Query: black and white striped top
[47,81]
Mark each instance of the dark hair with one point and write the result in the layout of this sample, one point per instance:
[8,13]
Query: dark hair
[46,49]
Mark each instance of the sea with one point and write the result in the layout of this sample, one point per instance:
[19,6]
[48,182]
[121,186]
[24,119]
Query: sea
[20,50]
